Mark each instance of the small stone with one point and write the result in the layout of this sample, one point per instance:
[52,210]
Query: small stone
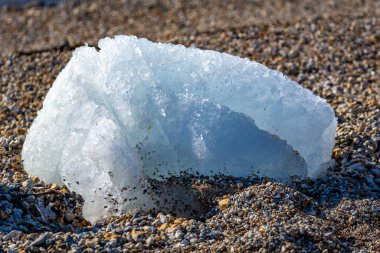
[3,215]
[162,218]
[337,152]
[41,239]
[30,198]
[150,240]
[69,216]
[75,250]
[35,179]
[178,245]
[139,246]
[163,226]
[89,243]
[27,183]
[357,167]
[55,187]
[148,229]
[114,236]
[179,221]
[178,234]
[107,236]
[224,203]
[12,234]
[137,234]
[156,222]
[376,172]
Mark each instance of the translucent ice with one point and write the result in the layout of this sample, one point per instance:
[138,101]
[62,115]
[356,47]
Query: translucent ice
[136,110]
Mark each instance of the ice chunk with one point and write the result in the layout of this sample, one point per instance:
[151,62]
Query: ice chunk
[136,110]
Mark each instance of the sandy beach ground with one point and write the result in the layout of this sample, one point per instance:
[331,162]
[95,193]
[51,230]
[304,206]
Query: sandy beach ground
[330,47]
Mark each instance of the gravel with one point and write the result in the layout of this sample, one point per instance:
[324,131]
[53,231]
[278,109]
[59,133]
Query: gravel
[330,47]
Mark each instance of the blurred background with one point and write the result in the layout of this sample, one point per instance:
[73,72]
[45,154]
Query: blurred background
[27,25]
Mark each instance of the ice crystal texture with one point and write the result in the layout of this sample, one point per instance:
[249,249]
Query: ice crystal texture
[136,110]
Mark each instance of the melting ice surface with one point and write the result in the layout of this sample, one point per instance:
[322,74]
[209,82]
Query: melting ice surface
[136,110]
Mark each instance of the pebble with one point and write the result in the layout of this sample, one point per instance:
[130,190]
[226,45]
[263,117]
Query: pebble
[69,216]
[12,234]
[149,241]
[224,203]
[41,239]
[30,198]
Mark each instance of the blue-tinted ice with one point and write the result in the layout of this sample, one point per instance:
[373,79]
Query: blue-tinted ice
[136,110]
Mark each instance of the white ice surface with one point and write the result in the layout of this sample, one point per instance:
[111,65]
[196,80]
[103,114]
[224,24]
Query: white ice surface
[137,109]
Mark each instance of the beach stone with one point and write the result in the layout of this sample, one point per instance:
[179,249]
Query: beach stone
[12,234]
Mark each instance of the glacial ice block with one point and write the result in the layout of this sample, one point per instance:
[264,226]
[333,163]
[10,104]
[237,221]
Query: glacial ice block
[136,110]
